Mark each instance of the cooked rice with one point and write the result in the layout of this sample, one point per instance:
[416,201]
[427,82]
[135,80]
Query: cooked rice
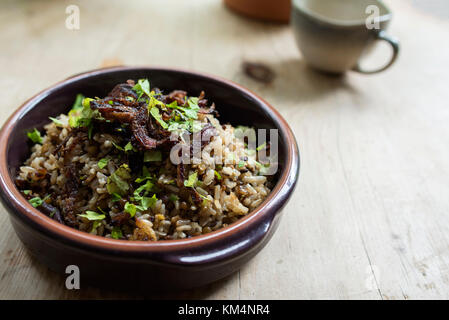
[239,191]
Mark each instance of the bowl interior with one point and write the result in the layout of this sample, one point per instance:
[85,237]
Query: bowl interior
[235,106]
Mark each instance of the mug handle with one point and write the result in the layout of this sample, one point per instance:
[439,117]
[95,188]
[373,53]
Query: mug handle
[394,44]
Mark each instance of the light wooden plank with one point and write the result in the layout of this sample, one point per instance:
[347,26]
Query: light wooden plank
[369,217]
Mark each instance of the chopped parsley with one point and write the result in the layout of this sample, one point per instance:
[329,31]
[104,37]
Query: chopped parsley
[92,215]
[118,182]
[181,116]
[35,136]
[103,163]
[154,111]
[190,113]
[128,147]
[142,87]
[193,103]
[131,209]
[141,193]
[205,199]
[116,197]
[147,202]
[95,225]
[195,126]
[37,201]
[155,102]
[82,116]
[192,180]
[87,114]
[179,126]
[73,118]
[78,104]
[147,187]
[117,146]
[116,233]
[56,121]
[145,175]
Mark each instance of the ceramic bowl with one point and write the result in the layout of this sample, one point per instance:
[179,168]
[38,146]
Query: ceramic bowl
[138,265]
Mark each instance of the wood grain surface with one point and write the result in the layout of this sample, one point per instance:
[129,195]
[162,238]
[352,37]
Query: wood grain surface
[370,216]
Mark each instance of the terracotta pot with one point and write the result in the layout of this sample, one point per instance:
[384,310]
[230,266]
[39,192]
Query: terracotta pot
[268,10]
[145,265]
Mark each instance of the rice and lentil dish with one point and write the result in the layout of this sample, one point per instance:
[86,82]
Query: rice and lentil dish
[105,167]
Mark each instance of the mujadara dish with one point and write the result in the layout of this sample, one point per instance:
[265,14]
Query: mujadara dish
[107,166]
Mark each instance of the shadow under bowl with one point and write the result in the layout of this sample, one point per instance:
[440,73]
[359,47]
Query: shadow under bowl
[138,265]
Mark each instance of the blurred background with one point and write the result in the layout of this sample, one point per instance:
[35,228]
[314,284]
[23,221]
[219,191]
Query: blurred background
[369,217]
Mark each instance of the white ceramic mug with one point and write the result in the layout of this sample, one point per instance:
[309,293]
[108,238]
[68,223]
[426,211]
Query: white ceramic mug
[333,34]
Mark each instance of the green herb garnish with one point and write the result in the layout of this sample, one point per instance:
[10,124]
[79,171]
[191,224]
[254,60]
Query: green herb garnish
[116,233]
[142,87]
[147,187]
[86,102]
[147,202]
[92,216]
[103,163]
[192,180]
[116,197]
[154,111]
[145,175]
[95,225]
[82,117]
[190,113]
[128,147]
[117,146]
[118,182]
[131,209]
[78,104]
[261,146]
[205,199]
[35,136]
[73,118]
[56,121]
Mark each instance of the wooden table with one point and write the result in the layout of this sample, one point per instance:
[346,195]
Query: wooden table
[370,216]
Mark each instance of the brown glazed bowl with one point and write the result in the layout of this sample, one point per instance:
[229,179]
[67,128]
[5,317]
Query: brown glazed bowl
[138,265]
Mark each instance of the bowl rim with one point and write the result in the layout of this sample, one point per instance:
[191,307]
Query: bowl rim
[276,198]
[300,8]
